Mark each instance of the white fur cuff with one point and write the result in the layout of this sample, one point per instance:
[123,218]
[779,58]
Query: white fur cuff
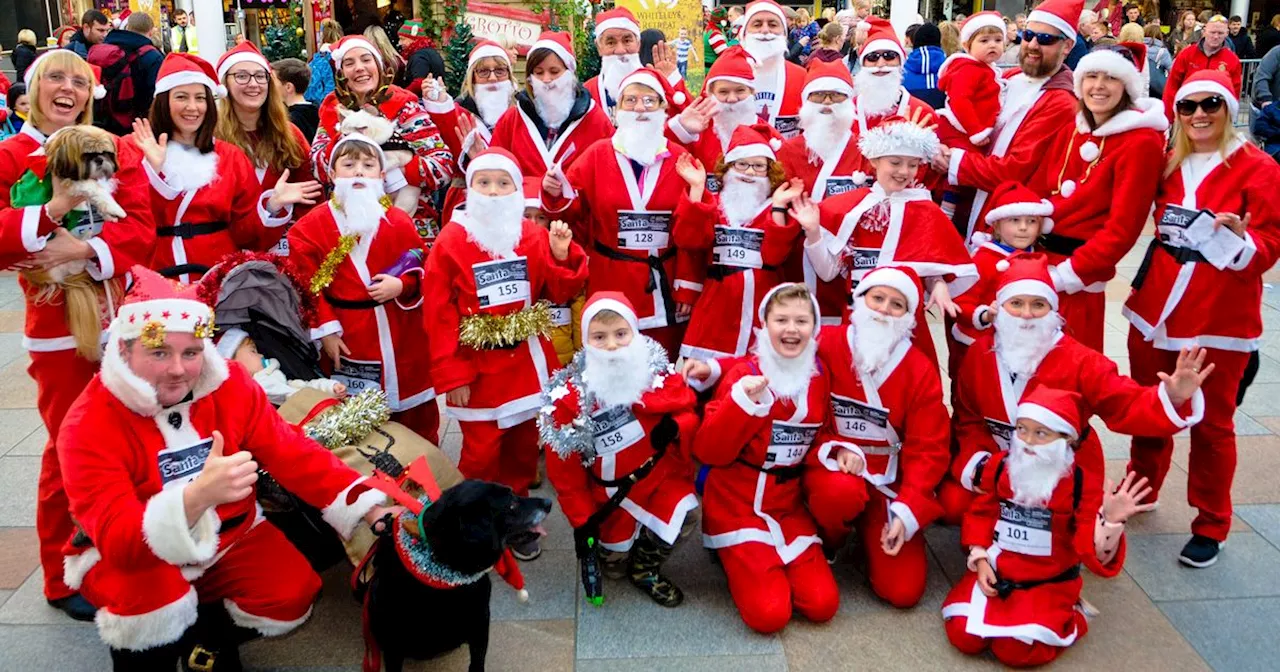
[908,518]
[966,476]
[1067,280]
[976,553]
[31,238]
[164,526]
[147,631]
[444,106]
[104,267]
[167,191]
[269,220]
[953,168]
[827,451]
[343,517]
[977,317]
[759,410]
[326,329]
[267,627]
[1197,408]
[1245,255]
[682,134]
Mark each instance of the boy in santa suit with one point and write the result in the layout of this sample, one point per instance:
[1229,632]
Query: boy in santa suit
[160,457]
[618,424]
[756,438]
[1027,348]
[779,82]
[491,278]
[727,102]
[1045,516]
[973,85]
[362,259]
[747,239]
[892,222]
[889,427]
[617,38]
[621,198]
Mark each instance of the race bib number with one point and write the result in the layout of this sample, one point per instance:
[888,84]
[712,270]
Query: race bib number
[1174,224]
[788,127]
[1001,431]
[281,247]
[643,230]
[738,246]
[1025,529]
[501,282]
[358,375]
[84,222]
[179,466]
[714,184]
[789,442]
[840,185]
[561,316]
[864,258]
[616,428]
[858,420]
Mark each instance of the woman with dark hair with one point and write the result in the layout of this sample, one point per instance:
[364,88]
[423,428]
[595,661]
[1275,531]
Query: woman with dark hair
[200,196]
[1183,33]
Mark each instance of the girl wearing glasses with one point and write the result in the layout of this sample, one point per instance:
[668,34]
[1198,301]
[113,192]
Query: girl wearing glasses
[254,118]
[1098,175]
[1201,283]
[43,226]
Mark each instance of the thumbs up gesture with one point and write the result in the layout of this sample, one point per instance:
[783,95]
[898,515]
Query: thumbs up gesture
[224,479]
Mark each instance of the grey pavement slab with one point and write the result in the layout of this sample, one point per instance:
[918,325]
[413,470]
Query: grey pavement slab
[552,584]
[27,606]
[776,662]
[1264,519]
[1248,567]
[18,477]
[10,348]
[4,596]
[27,648]
[1236,635]
[1263,399]
[15,425]
[33,444]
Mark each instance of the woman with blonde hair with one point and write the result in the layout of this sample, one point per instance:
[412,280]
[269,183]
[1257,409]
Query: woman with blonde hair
[950,37]
[1183,33]
[55,235]
[321,65]
[24,52]
[394,63]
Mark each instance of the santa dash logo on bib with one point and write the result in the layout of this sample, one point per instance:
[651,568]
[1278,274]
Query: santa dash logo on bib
[181,465]
[501,282]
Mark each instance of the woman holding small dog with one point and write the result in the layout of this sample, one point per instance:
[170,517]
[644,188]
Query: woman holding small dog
[199,199]
[47,230]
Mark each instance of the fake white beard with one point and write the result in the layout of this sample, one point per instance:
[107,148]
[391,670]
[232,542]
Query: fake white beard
[732,115]
[640,139]
[492,100]
[876,95]
[743,197]
[822,132]
[1021,344]
[614,68]
[788,376]
[621,377]
[494,222]
[361,207]
[875,336]
[1034,476]
[554,101]
[186,168]
[765,46]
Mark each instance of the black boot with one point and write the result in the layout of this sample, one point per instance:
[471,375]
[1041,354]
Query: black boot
[160,659]
[647,557]
[75,606]
[214,645]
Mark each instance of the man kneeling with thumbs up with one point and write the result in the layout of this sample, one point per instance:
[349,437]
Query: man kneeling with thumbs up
[160,458]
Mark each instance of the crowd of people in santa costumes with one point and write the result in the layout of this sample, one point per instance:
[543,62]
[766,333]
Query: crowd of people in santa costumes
[778,81]
[617,38]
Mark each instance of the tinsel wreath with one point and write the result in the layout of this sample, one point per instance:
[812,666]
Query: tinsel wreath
[210,284]
[483,331]
[578,435]
[416,555]
[323,277]
[351,420]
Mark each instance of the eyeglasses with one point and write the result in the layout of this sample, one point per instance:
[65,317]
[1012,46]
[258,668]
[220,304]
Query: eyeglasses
[640,102]
[1125,52]
[243,77]
[1045,39]
[828,97]
[58,78]
[492,73]
[1210,105]
[744,166]
[877,56]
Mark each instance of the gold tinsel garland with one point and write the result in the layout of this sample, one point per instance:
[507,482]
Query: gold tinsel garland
[483,331]
[351,420]
[324,275]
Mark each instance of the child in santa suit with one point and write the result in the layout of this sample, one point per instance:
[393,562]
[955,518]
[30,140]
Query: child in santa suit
[973,86]
[160,458]
[618,424]
[491,278]
[729,93]
[363,260]
[566,318]
[893,222]
[756,438]
[747,238]
[888,425]
[236,346]
[1029,535]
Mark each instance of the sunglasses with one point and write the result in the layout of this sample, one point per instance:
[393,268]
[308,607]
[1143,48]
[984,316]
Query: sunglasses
[877,56]
[1210,105]
[1045,39]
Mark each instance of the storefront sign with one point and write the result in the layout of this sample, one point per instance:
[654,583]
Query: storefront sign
[501,23]
[670,16]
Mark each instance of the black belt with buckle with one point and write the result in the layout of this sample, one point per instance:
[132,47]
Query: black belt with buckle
[1181,255]
[181,269]
[349,304]
[654,262]
[187,231]
[721,271]
[782,474]
[1005,587]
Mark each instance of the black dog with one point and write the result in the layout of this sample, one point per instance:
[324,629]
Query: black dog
[466,531]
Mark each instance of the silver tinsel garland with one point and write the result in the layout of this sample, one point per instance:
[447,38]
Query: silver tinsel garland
[351,420]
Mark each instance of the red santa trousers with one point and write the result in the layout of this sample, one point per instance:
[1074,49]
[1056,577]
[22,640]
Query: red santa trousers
[765,590]
[60,378]
[265,583]
[1212,464]
[669,338]
[1085,315]
[955,500]
[423,420]
[1008,650]
[507,456]
[834,499]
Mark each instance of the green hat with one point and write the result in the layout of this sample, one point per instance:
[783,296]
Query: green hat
[412,28]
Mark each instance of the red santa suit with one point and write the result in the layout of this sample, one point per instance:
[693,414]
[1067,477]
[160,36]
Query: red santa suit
[894,419]
[973,101]
[621,18]
[778,82]
[60,373]
[754,508]
[467,283]
[1180,299]
[128,461]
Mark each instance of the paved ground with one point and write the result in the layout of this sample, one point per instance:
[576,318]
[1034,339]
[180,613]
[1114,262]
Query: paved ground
[1156,616]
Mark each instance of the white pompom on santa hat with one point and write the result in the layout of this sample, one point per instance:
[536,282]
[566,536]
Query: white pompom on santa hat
[1025,274]
[750,141]
[650,78]
[977,22]
[1061,14]
[833,76]
[488,49]
[1059,410]
[896,136]
[612,301]
[1011,199]
[1124,61]
[902,278]
[99,91]
[346,45]
[881,37]
[618,17]
[560,44]
[495,158]
[179,69]
[245,52]
[732,65]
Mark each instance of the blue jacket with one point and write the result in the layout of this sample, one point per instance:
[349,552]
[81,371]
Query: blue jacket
[321,78]
[1266,128]
[920,74]
[1078,50]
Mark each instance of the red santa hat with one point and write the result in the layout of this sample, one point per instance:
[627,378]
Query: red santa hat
[339,50]
[763,6]
[121,18]
[902,278]
[1061,14]
[99,91]
[1058,410]
[1025,273]
[509,570]
[244,52]
[764,303]
[532,192]
[1209,81]
[1011,199]
[560,44]
[823,76]
[356,137]
[63,30]
[179,69]
[896,136]
[618,17]
[753,140]
[615,301]
[488,49]
[881,37]
[654,80]
[495,158]
[1123,61]
[979,21]
[734,65]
